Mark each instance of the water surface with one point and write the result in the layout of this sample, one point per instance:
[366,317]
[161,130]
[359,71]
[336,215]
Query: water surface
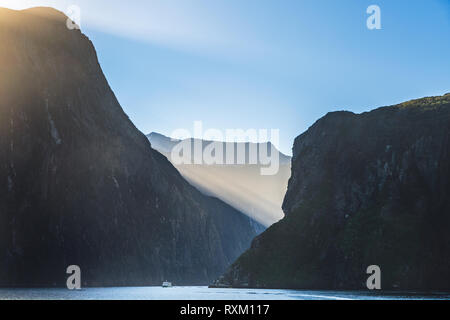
[205,293]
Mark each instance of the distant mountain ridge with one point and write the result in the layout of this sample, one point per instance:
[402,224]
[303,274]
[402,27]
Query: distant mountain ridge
[240,185]
[80,185]
[366,189]
[166,144]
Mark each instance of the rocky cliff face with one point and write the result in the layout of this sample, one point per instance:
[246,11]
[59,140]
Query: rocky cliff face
[366,189]
[80,185]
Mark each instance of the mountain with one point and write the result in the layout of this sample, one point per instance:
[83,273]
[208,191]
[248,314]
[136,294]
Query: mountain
[366,189]
[240,185]
[80,185]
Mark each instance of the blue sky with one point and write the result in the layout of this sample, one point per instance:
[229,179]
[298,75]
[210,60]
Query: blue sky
[263,63]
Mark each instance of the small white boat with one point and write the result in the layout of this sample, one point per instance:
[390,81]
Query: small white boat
[166,284]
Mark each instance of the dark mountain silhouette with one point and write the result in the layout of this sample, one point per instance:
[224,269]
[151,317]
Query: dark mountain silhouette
[366,189]
[80,185]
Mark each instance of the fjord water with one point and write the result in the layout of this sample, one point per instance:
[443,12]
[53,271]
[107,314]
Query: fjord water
[205,293]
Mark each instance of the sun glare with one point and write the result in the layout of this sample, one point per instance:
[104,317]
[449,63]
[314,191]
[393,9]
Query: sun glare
[19,4]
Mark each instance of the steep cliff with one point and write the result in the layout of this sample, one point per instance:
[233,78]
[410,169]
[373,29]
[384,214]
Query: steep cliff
[366,189]
[80,185]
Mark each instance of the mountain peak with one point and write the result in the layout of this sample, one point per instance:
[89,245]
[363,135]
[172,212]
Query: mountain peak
[366,189]
[80,184]
[44,11]
[48,13]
